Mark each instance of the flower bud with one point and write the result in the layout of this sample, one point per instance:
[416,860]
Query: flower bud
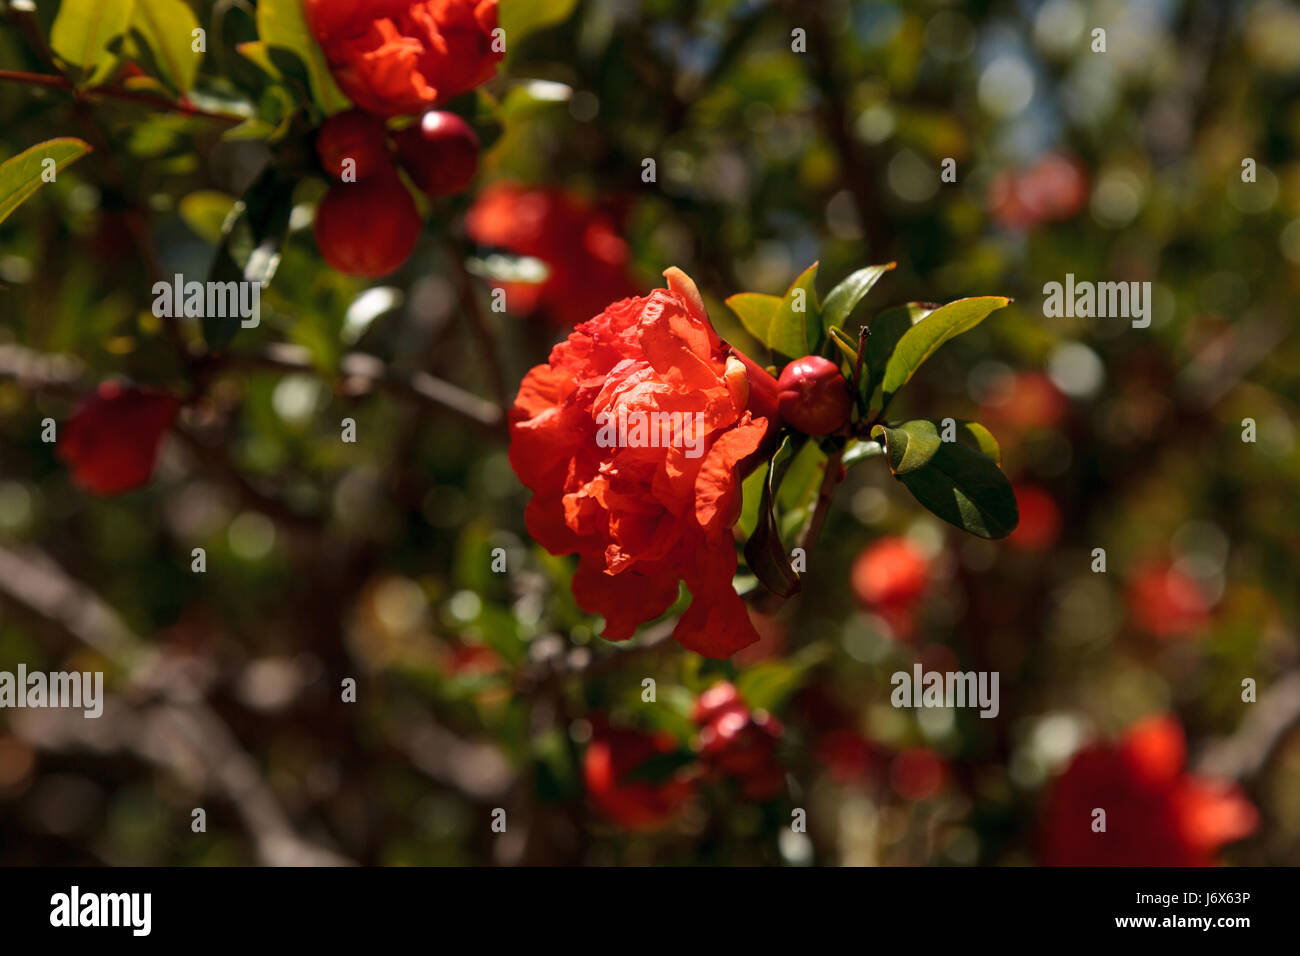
[813,396]
[353,135]
[367,228]
[439,153]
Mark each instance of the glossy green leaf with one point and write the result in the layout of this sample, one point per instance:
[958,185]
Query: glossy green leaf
[844,298]
[885,331]
[908,446]
[960,485]
[22,175]
[920,341]
[82,33]
[860,451]
[764,552]
[755,312]
[976,436]
[796,328]
[847,346]
[167,27]
[280,23]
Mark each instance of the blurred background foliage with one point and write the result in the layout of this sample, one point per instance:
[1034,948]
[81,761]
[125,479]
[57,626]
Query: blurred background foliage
[478,690]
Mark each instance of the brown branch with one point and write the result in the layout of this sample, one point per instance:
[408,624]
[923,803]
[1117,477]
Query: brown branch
[114,93]
[32,580]
[363,371]
[478,321]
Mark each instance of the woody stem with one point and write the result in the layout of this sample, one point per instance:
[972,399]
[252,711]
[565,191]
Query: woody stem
[144,99]
[831,477]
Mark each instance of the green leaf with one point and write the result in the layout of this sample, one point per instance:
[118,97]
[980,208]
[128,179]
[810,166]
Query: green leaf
[518,18]
[796,328]
[886,329]
[909,446]
[767,685]
[844,298]
[846,345]
[920,341]
[976,436]
[764,552]
[961,486]
[21,176]
[167,27]
[205,212]
[860,451]
[280,23]
[82,33]
[755,312]
[259,222]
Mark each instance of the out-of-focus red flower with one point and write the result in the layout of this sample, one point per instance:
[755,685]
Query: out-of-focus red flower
[739,743]
[586,258]
[845,753]
[1025,400]
[1053,189]
[889,577]
[918,774]
[1040,519]
[111,442]
[1156,815]
[472,660]
[643,515]
[395,57]
[890,571]
[1167,603]
[634,804]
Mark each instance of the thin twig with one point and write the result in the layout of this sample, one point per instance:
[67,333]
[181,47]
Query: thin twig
[114,93]
[33,580]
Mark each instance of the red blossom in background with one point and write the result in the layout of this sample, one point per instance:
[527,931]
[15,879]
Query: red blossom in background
[634,804]
[642,518]
[396,57]
[587,260]
[1025,400]
[739,743]
[889,576]
[1053,189]
[1040,519]
[111,442]
[918,774]
[1166,602]
[1156,814]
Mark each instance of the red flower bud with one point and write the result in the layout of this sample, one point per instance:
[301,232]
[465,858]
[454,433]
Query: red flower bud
[439,153]
[353,135]
[367,228]
[813,395]
[112,440]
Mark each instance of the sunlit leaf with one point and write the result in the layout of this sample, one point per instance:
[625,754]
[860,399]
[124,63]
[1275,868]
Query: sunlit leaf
[22,175]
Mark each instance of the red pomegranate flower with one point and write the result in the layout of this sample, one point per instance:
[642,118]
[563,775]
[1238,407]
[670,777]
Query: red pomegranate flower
[112,440]
[634,804]
[1156,815]
[642,515]
[1040,519]
[586,258]
[1167,603]
[396,57]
